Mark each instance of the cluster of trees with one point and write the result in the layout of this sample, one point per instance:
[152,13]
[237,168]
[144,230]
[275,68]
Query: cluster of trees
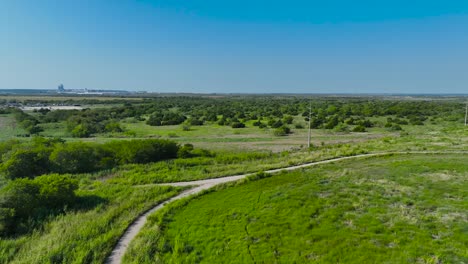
[328,113]
[25,202]
[87,124]
[36,176]
[165,119]
[55,156]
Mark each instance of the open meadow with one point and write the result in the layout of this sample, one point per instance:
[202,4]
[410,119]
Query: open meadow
[72,181]
[393,209]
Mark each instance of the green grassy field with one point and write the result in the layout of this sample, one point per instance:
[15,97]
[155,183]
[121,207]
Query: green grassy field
[9,128]
[84,235]
[226,163]
[396,209]
[404,208]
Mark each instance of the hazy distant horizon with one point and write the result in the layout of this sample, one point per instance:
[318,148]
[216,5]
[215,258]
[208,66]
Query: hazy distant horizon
[207,46]
[247,93]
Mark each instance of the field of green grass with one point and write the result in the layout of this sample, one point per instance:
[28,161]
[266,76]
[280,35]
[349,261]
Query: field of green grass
[401,208]
[393,209]
[226,163]
[9,128]
[218,137]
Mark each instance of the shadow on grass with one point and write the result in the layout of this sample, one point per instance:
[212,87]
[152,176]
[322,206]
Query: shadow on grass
[88,202]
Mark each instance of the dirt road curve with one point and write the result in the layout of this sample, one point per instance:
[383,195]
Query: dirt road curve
[119,250]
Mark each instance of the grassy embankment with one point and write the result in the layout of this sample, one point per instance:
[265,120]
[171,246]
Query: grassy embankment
[395,209]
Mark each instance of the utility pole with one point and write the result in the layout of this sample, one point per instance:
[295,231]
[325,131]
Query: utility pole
[466,113]
[310,117]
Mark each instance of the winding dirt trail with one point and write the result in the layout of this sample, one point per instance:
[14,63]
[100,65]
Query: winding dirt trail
[200,185]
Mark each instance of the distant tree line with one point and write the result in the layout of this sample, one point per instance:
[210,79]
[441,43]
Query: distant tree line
[327,113]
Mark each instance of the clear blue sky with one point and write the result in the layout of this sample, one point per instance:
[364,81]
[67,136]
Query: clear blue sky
[333,46]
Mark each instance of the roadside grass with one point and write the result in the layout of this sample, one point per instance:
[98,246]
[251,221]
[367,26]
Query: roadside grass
[393,209]
[87,234]
[222,164]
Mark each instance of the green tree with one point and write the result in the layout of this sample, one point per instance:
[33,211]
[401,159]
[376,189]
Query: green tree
[25,162]
[55,190]
[81,131]
[75,157]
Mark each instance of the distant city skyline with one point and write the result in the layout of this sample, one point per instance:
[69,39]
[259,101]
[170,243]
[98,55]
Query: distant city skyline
[207,46]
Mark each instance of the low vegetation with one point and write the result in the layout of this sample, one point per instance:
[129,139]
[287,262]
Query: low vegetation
[398,209]
[71,181]
[86,232]
[40,156]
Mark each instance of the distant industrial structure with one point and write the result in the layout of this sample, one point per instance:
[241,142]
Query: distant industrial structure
[61,90]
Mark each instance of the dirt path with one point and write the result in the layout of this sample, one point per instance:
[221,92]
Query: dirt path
[121,247]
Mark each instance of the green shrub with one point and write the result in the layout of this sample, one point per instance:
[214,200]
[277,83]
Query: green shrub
[359,128]
[257,123]
[298,126]
[185,151]
[282,131]
[238,125]
[165,119]
[113,127]
[341,127]
[81,131]
[23,200]
[25,162]
[74,157]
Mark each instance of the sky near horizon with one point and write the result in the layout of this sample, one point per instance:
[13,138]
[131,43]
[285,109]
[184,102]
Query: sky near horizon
[212,46]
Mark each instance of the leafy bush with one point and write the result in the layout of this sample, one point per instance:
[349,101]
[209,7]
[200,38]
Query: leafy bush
[395,127]
[275,124]
[24,199]
[359,128]
[341,127]
[332,122]
[257,123]
[365,123]
[142,151]
[298,126]
[185,151]
[288,119]
[238,125]
[282,131]
[113,127]
[75,157]
[195,122]
[81,131]
[25,162]
[166,118]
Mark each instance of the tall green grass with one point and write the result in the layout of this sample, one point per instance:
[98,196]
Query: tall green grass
[394,209]
[87,235]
